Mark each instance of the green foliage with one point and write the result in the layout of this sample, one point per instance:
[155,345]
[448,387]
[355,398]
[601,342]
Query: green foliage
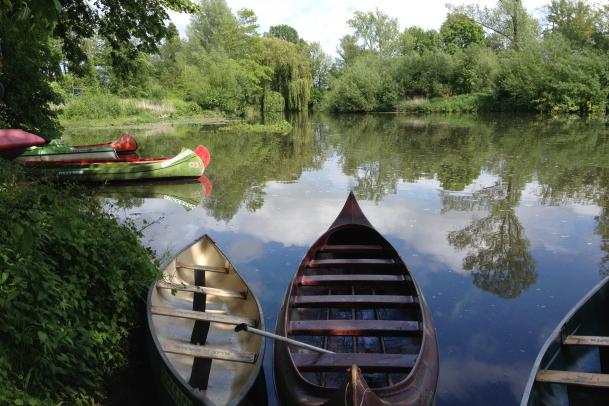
[291,73]
[415,39]
[285,32]
[365,85]
[72,282]
[576,20]
[554,78]
[459,32]
[376,31]
[464,103]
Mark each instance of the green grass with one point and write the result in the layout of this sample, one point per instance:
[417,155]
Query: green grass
[108,110]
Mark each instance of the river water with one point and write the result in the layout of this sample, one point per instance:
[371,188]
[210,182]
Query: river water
[503,221]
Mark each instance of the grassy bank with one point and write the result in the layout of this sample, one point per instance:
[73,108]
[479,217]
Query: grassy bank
[464,103]
[107,110]
[72,291]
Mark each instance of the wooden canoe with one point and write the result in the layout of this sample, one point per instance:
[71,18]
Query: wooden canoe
[572,367]
[352,294]
[186,164]
[192,311]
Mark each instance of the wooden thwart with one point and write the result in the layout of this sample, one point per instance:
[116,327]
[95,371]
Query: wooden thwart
[596,341]
[353,301]
[375,328]
[201,289]
[201,316]
[368,362]
[344,262]
[314,280]
[199,351]
[194,267]
[351,248]
[586,379]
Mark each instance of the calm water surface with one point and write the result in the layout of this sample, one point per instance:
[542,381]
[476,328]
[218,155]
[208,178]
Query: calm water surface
[504,222]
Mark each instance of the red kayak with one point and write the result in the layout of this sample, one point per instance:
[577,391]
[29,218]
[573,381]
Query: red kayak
[13,142]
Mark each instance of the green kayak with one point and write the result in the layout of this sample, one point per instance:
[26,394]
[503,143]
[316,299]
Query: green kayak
[58,152]
[187,163]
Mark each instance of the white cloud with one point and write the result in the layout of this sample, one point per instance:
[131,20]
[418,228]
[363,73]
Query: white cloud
[326,21]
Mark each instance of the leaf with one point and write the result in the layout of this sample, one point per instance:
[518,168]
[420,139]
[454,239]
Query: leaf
[4,277]
[57,5]
[27,240]
[42,336]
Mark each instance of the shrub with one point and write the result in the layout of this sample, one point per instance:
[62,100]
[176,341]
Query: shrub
[92,106]
[70,279]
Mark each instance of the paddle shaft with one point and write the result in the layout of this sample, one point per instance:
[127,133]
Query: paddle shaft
[263,333]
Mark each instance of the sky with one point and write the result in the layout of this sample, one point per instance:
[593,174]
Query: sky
[325,21]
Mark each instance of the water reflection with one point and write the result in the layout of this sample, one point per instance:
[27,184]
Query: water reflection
[481,209]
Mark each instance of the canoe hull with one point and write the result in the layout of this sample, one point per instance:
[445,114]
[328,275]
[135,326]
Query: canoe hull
[354,238]
[228,381]
[589,317]
[186,164]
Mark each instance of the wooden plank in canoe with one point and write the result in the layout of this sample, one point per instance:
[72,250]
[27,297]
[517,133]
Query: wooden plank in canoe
[201,289]
[351,262]
[595,341]
[201,316]
[351,248]
[369,362]
[314,280]
[586,379]
[375,328]
[353,301]
[200,351]
[195,267]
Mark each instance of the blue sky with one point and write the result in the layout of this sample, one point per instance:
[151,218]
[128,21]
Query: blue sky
[326,21]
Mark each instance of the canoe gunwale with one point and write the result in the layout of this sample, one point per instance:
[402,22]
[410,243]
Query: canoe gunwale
[351,217]
[196,396]
[556,337]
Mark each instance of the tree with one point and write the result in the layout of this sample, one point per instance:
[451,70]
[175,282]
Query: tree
[376,31]
[508,19]
[284,32]
[415,39]
[575,20]
[127,24]
[348,49]
[459,31]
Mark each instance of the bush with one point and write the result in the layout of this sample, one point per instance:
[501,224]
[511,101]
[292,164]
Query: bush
[70,279]
[366,85]
[92,106]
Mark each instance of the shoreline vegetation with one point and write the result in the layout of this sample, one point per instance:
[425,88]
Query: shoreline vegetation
[495,58]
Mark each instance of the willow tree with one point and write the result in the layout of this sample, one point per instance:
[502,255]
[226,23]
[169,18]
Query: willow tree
[291,74]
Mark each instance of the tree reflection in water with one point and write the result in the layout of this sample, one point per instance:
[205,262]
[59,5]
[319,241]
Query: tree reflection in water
[498,256]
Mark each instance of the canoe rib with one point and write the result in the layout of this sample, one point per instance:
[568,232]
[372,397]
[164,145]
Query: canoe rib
[586,379]
[208,352]
[201,289]
[192,267]
[376,328]
[353,301]
[314,280]
[201,316]
[367,362]
[594,341]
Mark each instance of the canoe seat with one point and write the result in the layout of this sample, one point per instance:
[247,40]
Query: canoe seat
[315,280]
[194,267]
[586,379]
[200,351]
[353,301]
[351,248]
[368,362]
[201,289]
[596,341]
[375,328]
[351,262]
[200,316]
